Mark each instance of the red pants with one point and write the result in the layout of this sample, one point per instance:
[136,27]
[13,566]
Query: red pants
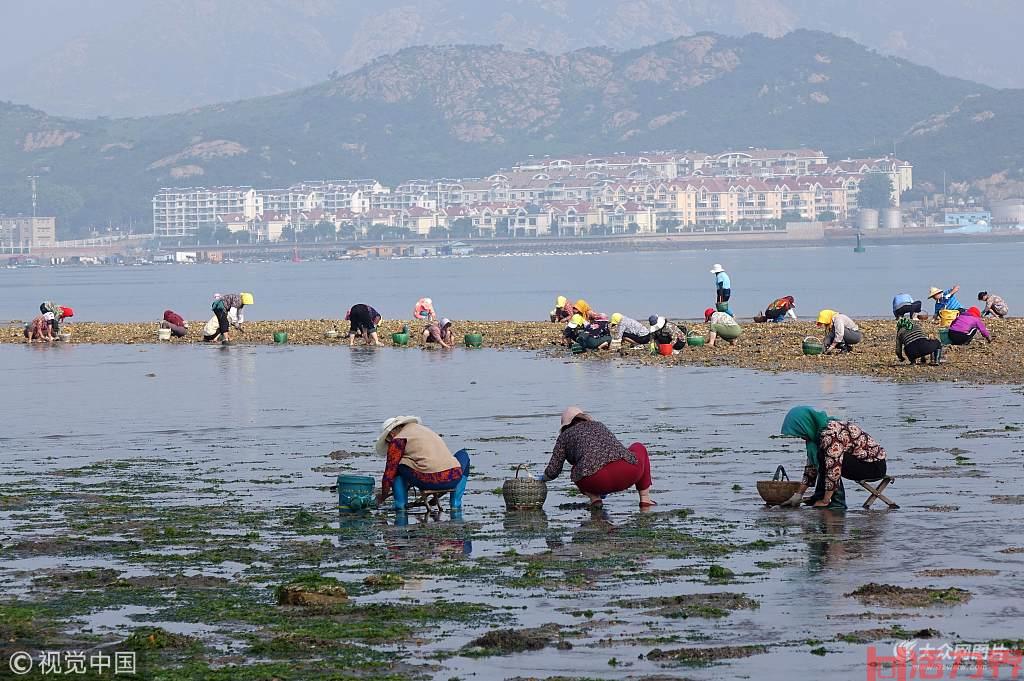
[620,475]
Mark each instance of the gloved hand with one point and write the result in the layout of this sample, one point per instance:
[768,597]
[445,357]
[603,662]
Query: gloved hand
[793,501]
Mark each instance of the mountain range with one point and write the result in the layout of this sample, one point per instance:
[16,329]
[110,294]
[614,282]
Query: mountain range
[88,58]
[450,111]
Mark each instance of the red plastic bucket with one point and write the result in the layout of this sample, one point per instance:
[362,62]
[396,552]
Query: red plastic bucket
[665,348]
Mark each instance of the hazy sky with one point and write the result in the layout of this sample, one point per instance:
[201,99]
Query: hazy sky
[132,57]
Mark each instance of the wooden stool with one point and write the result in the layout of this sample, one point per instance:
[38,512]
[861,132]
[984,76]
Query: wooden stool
[429,499]
[876,492]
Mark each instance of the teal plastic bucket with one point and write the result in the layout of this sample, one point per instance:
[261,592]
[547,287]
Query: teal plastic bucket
[944,336]
[355,493]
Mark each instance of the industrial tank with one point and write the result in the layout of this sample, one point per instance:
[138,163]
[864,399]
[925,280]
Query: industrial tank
[892,218]
[867,219]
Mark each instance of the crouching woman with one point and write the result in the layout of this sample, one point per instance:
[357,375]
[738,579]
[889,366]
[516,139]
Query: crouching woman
[835,450]
[418,457]
[600,463]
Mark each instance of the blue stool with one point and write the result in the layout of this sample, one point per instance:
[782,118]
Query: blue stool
[428,499]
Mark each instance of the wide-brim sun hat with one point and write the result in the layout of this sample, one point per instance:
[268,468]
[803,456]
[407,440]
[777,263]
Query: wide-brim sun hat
[394,422]
[247,299]
[560,301]
[717,268]
[932,292]
[572,413]
[658,324]
[445,322]
[616,318]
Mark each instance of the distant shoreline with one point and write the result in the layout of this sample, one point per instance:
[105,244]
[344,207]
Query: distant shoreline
[558,246]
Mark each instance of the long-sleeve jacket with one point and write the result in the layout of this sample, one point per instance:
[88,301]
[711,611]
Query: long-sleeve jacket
[419,448]
[631,326]
[232,300]
[965,322]
[588,446]
[905,337]
[840,324]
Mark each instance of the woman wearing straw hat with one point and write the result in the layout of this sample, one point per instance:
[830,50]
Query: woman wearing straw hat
[418,457]
[600,463]
[945,299]
[723,287]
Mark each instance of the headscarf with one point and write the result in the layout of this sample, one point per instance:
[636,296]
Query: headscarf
[806,423]
[582,307]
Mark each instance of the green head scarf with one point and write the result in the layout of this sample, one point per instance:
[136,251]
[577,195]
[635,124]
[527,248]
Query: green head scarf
[806,423]
[904,323]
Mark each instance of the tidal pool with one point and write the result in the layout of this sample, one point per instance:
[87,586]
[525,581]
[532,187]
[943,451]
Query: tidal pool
[176,486]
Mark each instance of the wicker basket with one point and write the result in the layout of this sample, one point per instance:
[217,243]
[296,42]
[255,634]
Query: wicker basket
[524,493]
[778,489]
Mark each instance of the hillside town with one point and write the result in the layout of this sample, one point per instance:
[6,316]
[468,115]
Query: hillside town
[750,190]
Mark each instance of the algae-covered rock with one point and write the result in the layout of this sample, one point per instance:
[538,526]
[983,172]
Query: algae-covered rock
[384,582]
[312,591]
[887,595]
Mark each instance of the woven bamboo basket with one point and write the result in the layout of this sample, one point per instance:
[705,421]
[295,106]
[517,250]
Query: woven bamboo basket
[524,493]
[778,489]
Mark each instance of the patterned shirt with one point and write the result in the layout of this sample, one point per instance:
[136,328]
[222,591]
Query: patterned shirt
[588,446]
[632,327]
[723,319]
[838,440]
[905,337]
[995,304]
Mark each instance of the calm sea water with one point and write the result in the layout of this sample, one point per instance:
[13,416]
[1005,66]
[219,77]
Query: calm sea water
[675,284]
[245,412]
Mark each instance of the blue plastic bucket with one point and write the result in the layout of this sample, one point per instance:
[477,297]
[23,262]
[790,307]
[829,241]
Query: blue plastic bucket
[355,492]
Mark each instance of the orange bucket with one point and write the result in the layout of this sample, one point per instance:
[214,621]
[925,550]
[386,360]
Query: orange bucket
[665,349]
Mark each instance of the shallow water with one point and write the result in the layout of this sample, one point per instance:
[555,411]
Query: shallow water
[248,415]
[671,283]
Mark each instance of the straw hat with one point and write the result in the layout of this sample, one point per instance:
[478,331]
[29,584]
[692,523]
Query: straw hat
[717,268]
[394,422]
[571,413]
[932,292]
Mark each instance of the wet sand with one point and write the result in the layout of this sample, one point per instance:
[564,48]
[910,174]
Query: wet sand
[766,347]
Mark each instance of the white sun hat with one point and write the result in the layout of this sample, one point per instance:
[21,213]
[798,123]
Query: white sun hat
[394,422]
[717,268]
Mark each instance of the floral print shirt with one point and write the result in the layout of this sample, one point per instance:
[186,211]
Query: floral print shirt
[588,446]
[837,440]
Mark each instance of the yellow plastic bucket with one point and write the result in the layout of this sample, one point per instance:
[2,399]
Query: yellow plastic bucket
[946,317]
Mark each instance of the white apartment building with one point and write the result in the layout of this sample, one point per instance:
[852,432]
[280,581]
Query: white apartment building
[181,211]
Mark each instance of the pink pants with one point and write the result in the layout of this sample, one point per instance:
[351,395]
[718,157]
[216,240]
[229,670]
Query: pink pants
[620,475]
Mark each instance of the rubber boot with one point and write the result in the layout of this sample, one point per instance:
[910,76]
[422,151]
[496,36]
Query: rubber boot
[455,498]
[401,493]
